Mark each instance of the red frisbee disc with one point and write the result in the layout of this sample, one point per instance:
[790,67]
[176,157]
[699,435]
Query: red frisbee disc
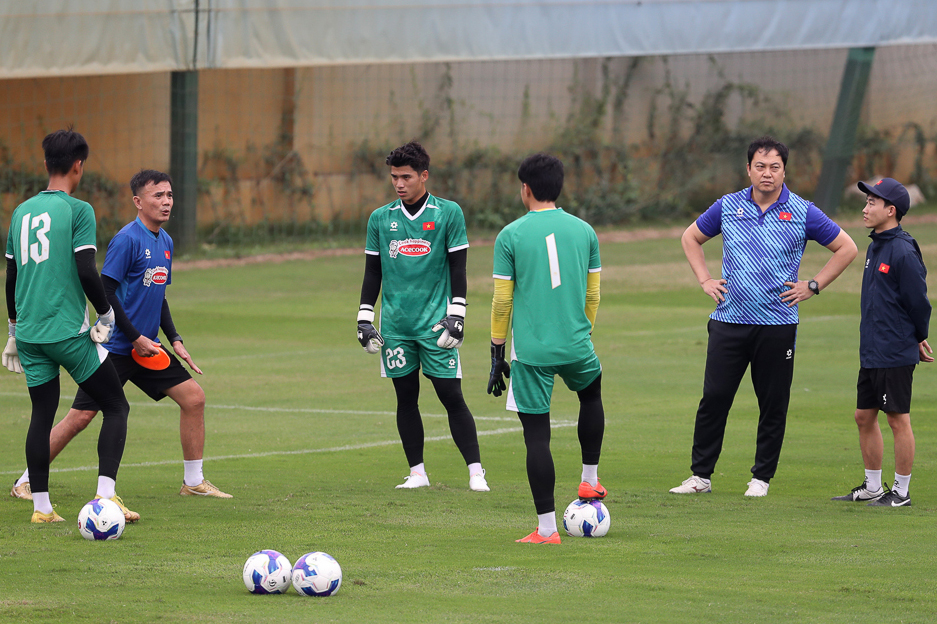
[160,361]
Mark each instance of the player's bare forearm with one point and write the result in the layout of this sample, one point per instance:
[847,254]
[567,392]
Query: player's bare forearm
[844,252]
[692,242]
[181,351]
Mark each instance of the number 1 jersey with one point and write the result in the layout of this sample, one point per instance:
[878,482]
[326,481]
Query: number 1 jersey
[548,255]
[45,232]
[414,250]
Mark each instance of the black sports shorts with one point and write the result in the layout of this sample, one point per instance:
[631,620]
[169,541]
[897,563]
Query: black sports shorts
[153,383]
[886,389]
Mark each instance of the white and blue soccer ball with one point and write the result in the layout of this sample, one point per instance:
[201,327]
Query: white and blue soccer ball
[101,519]
[586,519]
[267,572]
[317,574]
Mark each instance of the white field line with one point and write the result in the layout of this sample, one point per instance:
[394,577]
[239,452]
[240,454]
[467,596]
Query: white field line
[335,449]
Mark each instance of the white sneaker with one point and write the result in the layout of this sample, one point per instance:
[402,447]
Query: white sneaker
[477,482]
[757,487]
[414,480]
[693,485]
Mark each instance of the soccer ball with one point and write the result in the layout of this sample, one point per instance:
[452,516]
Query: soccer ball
[586,519]
[317,574]
[267,572]
[101,519]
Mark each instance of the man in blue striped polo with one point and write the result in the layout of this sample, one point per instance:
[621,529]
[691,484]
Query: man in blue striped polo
[764,231]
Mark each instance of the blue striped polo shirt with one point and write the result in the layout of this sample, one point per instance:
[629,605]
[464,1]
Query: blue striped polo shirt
[761,251]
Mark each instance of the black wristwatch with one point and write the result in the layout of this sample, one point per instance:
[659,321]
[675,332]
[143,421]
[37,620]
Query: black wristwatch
[814,287]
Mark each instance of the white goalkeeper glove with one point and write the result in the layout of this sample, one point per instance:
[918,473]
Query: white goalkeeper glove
[370,339]
[453,326]
[104,327]
[11,358]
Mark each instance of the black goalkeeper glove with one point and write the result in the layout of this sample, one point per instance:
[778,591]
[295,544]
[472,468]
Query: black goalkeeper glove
[453,326]
[368,336]
[499,370]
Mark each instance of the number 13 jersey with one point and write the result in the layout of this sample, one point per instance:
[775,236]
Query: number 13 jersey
[45,232]
[548,255]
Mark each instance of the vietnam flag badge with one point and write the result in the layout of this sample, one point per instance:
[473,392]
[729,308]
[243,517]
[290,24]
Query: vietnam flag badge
[429,225]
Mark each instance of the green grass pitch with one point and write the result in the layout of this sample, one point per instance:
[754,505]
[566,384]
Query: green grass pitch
[300,429]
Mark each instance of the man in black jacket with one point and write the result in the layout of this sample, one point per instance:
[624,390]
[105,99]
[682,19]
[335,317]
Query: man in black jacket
[892,340]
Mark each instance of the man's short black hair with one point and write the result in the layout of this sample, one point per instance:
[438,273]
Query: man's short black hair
[62,148]
[410,155]
[544,175]
[139,181]
[766,144]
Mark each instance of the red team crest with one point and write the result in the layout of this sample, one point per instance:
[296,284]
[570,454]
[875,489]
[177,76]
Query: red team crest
[883,267]
[429,225]
[167,253]
[785,216]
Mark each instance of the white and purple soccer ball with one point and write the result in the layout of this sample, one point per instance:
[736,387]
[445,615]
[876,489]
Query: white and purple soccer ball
[586,519]
[267,572]
[317,574]
[101,519]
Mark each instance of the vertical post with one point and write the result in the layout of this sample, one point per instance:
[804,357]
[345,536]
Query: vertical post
[842,141]
[183,157]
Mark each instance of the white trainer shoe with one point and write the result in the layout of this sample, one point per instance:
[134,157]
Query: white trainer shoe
[693,485]
[477,482]
[757,487]
[414,480]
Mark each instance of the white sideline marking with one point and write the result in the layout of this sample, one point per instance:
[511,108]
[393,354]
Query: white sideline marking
[334,449]
[306,410]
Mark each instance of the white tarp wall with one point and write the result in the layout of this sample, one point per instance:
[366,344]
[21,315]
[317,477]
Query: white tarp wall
[76,37]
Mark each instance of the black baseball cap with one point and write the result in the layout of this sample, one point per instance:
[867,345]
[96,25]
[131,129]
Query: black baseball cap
[892,191]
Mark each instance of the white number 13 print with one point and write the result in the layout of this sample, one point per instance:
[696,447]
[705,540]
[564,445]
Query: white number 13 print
[37,251]
[554,260]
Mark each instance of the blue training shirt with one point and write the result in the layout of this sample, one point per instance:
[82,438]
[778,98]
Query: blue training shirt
[142,262]
[761,251]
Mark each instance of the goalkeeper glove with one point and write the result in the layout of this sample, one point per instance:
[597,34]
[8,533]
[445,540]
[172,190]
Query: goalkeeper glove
[499,370]
[104,327]
[453,327]
[11,358]
[368,336]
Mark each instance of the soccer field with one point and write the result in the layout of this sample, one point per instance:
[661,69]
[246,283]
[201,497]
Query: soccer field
[301,430]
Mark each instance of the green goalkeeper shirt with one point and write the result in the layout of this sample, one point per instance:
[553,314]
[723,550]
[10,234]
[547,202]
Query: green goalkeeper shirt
[415,288]
[45,232]
[548,255]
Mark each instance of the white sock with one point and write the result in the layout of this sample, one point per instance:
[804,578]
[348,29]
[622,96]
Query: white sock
[590,474]
[873,479]
[418,468]
[107,487]
[901,484]
[193,472]
[475,469]
[546,524]
[23,479]
[41,502]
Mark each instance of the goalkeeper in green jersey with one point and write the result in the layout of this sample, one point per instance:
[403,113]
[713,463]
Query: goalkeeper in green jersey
[50,269]
[415,258]
[546,268]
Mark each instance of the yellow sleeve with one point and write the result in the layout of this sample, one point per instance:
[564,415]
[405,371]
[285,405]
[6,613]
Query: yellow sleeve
[592,296]
[501,305]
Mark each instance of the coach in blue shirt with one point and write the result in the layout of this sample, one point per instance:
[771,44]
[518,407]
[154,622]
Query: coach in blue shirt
[764,230]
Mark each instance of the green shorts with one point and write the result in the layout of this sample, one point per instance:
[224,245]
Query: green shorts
[80,356]
[400,357]
[532,386]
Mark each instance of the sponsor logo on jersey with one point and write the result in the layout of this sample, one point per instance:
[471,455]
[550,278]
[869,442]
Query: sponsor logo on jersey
[429,225]
[147,254]
[740,212]
[393,226]
[156,275]
[166,252]
[785,216]
[409,247]
[883,267]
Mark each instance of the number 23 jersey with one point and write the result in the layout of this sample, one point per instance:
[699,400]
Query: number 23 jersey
[548,255]
[414,250]
[45,232]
